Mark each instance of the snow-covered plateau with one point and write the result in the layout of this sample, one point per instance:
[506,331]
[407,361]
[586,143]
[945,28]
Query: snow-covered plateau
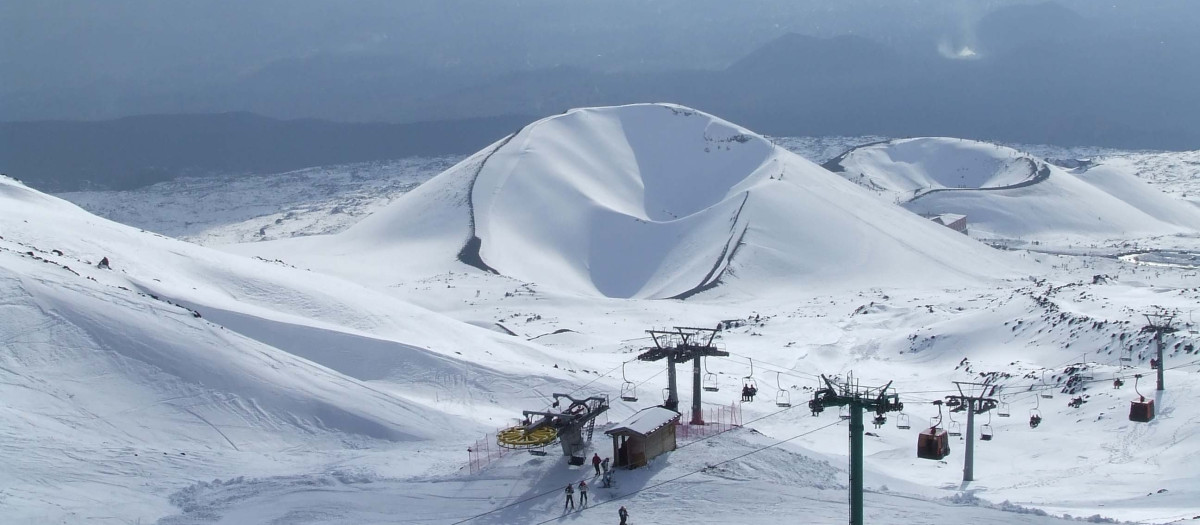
[325,346]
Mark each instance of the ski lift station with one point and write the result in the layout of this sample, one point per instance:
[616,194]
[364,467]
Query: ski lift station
[643,436]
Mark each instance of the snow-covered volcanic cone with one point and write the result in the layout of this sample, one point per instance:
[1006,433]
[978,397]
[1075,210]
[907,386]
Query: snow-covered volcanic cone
[1007,193]
[649,200]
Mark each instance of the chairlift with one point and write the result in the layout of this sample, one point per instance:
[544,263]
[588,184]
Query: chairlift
[955,427]
[902,421]
[986,432]
[932,443]
[783,399]
[844,412]
[710,379]
[1142,410]
[880,420]
[749,385]
[628,389]
[1046,389]
[1004,410]
[1035,415]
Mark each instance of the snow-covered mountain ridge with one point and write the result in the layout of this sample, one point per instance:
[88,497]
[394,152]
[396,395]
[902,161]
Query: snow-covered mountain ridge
[345,387]
[649,200]
[1012,195]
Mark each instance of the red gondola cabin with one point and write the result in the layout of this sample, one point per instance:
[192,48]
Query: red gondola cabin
[933,443]
[1141,411]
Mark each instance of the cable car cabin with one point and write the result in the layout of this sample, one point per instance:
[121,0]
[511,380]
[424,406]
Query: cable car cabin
[933,443]
[1141,411]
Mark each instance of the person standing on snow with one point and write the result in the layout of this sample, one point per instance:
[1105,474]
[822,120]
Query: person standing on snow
[604,464]
[570,498]
[623,514]
[596,463]
[583,493]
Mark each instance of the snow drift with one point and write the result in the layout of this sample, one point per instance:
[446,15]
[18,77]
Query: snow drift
[1007,193]
[649,200]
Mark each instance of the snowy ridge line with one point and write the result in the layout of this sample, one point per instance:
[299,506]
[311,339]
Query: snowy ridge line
[1040,174]
[469,254]
[661,483]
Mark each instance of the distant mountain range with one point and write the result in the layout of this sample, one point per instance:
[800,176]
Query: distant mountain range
[136,151]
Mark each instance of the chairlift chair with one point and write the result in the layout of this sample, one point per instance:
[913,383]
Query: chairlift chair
[628,389]
[749,384]
[1035,413]
[902,421]
[955,427]
[1035,418]
[1046,389]
[783,399]
[844,412]
[1004,410]
[710,379]
[985,432]
[666,394]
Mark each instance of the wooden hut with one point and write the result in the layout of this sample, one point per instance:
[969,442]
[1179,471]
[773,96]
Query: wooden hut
[643,436]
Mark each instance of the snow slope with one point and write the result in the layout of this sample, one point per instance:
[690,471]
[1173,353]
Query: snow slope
[1008,194]
[188,351]
[648,201]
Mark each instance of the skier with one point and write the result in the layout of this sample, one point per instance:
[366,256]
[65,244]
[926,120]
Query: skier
[596,463]
[103,264]
[624,515]
[570,498]
[604,464]
[745,392]
[583,493]
[607,479]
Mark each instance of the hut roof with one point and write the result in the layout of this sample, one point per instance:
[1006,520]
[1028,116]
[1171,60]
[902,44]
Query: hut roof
[645,421]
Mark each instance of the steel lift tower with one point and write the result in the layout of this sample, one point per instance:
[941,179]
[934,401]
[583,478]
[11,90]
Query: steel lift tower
[680,345]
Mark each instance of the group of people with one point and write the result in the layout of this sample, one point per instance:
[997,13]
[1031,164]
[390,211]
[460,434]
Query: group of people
[748,392]
[601,467]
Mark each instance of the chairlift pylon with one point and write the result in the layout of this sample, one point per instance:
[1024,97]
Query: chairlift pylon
[628,389]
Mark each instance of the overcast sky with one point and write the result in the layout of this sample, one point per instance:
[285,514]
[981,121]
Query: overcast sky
[65,54]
